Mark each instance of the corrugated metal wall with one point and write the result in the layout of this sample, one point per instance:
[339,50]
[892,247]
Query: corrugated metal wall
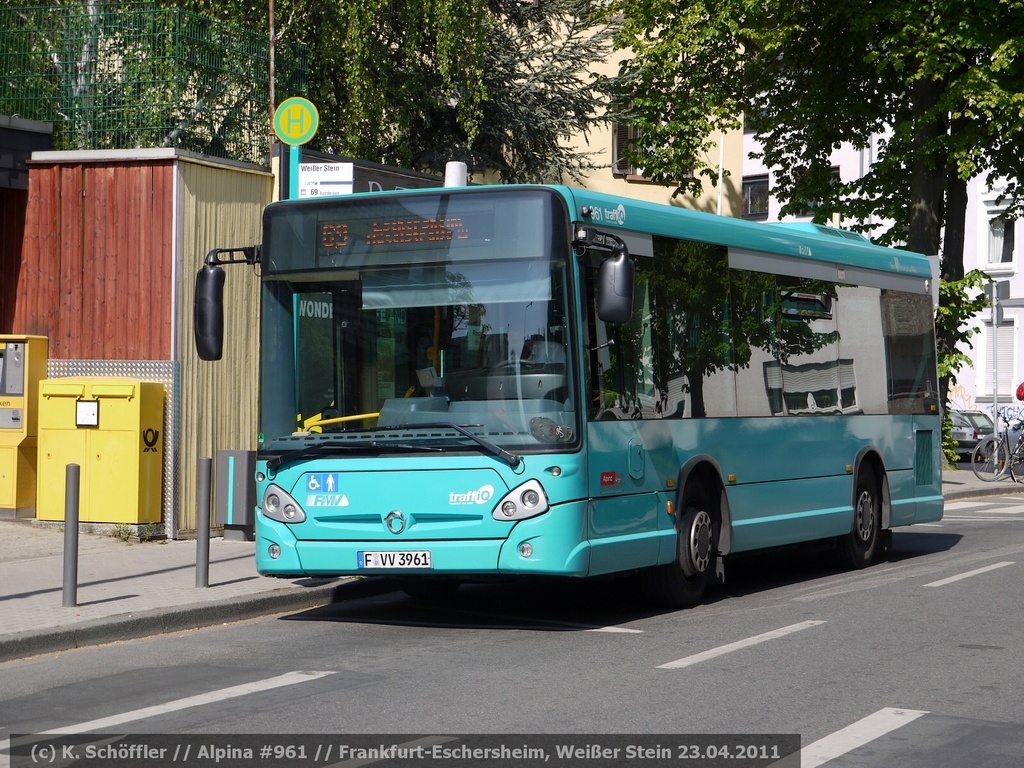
[221,207]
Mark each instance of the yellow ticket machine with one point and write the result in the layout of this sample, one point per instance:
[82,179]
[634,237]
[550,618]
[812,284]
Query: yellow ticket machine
[22,366]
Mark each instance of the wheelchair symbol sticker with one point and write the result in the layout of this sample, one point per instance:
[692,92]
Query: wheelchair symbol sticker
[322,481]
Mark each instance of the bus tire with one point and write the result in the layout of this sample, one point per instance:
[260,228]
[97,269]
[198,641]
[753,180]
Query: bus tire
[858,548]
[681,584]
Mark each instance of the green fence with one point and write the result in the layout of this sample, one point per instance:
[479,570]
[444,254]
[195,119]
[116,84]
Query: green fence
[117,76]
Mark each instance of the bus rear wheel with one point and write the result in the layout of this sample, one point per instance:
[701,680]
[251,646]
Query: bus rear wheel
[857,549]
[681,584]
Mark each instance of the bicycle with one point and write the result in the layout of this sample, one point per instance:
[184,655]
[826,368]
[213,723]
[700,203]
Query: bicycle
[993,458]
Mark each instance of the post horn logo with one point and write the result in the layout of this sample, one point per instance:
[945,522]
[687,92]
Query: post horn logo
[150,437]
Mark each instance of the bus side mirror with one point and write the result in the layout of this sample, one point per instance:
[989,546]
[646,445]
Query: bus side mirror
[615,289]
[208,312]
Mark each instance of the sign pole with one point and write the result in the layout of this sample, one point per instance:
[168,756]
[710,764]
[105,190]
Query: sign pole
[995,358]
[295,123]
[294,157]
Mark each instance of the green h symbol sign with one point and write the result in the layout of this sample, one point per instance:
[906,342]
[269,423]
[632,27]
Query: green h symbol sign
[296,121]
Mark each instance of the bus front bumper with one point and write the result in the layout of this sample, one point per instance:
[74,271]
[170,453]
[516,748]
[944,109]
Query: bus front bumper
[552,544]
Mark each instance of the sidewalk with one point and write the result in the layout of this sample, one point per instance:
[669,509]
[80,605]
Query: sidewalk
[131,589]
[127,590]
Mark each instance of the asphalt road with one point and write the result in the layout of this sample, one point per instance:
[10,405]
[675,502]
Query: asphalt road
[916,661]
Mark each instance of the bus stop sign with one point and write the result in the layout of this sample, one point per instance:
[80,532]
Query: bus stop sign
[295,121]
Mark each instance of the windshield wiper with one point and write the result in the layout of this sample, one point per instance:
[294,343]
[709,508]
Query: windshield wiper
[312,450]
[495,450]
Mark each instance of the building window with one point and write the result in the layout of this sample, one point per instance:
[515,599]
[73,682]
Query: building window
[999,353]
[755,198]
[1000,241]
[624,139]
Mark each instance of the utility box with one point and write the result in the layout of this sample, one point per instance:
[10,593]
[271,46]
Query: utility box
[112,428]
[236,494]
[23,362]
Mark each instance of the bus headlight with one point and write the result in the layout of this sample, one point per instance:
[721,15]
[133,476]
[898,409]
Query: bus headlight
[528,500]
[278,505]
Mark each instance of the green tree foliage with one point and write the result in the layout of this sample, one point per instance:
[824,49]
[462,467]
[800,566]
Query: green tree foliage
[541,95]
[115,75]
[935,86]
[958,299]
[499,84]
[681,86]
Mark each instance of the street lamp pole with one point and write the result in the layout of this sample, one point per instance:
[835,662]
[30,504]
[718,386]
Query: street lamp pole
[270,53]
[995,357]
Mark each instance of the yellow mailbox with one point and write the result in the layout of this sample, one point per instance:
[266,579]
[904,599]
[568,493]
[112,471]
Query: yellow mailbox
[112,428]
[22,367]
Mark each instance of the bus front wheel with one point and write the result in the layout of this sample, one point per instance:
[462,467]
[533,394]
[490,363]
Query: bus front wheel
[857,548]
[681,584]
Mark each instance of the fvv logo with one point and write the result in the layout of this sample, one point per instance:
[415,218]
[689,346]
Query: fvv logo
[481,495]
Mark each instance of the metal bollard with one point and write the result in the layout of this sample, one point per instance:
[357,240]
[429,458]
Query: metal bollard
[72,476]
[203,524]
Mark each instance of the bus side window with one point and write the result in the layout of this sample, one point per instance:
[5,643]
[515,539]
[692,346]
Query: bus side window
[694,353]
[621,371]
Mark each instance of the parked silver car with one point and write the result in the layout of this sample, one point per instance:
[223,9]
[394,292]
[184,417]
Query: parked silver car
[968,428]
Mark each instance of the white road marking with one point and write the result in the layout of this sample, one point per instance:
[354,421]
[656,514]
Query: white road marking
[527,620]
[960,506]
[980,510]
[885,574]
[289,678]
[724,649]
[968,574]
[971,519]
[852,736]
[623,630]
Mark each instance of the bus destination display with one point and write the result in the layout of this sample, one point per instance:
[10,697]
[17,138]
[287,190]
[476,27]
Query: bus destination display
[404,230]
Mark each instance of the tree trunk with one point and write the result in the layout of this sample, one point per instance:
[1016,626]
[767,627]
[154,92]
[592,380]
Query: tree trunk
[927,176]
[952,265]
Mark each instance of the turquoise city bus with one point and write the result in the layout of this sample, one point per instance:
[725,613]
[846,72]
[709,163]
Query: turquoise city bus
[469,383]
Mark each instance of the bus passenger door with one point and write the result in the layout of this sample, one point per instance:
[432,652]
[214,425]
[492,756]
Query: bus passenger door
[623,523]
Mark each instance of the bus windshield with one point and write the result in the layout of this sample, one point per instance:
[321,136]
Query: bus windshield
[441,308]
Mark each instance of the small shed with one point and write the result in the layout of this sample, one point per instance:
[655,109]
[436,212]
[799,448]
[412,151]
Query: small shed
[106,270]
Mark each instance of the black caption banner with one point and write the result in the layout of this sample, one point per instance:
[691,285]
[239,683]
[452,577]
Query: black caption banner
[406,751]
